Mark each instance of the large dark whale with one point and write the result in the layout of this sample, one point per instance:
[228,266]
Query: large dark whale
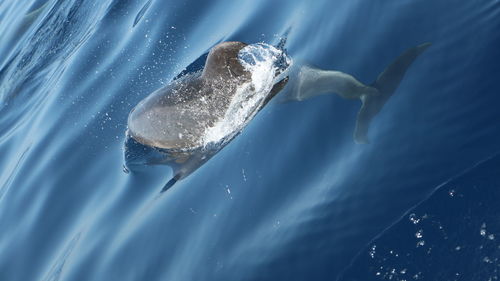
[186,122]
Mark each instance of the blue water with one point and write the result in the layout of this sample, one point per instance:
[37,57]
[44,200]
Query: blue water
[453,235]
[292,197]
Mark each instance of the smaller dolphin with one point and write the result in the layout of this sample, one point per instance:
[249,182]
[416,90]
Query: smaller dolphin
[311,82]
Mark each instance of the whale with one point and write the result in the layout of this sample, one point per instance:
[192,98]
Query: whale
[310,82]
[186,122]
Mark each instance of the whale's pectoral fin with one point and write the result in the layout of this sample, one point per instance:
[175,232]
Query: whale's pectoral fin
[179,170]
[279,86]
[276,89]
[170,183]
[186,166]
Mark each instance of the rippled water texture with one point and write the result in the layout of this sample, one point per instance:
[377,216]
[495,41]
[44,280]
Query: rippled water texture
[292,197]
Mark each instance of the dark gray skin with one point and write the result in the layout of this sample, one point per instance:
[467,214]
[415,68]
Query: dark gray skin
[173,119]
[176,116]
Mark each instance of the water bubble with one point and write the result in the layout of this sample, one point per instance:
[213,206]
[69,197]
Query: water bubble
[413,218]
[372,251]
[482,231]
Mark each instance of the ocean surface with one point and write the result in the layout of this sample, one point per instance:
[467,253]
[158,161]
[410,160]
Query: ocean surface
[292,197]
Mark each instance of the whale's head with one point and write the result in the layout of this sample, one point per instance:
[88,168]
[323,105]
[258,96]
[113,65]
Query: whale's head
[187,121]
[223,64]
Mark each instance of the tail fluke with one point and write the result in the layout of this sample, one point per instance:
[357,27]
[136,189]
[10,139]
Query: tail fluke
[386,84]
[310,82]
[388,81]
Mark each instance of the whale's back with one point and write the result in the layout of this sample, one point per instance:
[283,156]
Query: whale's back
[175,116]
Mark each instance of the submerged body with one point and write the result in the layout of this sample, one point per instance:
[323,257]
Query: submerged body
[311,82]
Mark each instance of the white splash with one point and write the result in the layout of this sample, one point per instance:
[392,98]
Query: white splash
[262,61]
